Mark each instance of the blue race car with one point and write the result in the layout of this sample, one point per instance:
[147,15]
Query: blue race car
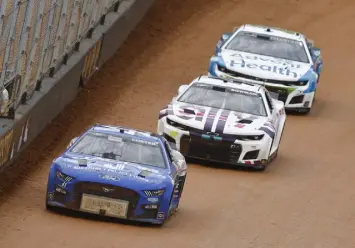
[286,62]
[118,172]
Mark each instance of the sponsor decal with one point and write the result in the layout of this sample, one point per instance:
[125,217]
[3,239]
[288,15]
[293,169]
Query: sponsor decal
[146,142]
[245,92]
[160,215]
[210,135]
[108,177]
[153,200]
[243,117]
[107,190]
[60,189]
[253,62]
[114,138]
[239,125]
[173,134]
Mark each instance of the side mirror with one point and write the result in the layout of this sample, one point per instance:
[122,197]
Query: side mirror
[235,29]
[182,88]
[310,42]
[178,159]
[226,36]
[316,51]
[72,142]
[221,41]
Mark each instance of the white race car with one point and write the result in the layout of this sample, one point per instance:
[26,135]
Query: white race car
[286,62]
[227,121]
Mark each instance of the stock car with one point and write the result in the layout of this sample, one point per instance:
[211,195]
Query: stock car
[118,172]
[286,62]
[227,121]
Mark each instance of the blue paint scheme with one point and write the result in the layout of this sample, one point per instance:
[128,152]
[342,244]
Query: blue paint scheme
[119,174]
[215,60]
[312,77]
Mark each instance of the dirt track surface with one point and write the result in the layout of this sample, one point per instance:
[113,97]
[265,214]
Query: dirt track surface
[305,199]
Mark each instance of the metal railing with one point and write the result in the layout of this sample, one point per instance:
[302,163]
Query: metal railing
[35,36]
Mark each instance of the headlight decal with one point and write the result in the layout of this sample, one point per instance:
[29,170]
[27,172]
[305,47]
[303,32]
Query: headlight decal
[268,131]
[168,110]
[63,177]
[249,137]
[177,125]
[152,193]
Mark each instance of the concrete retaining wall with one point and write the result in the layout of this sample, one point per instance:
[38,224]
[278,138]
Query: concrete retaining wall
[58,91]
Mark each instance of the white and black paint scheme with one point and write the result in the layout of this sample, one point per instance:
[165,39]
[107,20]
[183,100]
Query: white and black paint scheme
[224,121]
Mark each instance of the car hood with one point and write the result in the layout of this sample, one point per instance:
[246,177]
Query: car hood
[97,169]
[215,120]
[264,66]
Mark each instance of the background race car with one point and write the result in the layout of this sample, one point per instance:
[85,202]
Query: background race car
[225,121]
[118,172]
[286,62]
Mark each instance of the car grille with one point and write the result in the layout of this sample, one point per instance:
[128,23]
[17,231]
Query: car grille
[117,193]
[222,150]
[283,93]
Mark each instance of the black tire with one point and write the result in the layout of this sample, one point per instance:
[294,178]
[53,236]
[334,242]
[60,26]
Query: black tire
[305,111]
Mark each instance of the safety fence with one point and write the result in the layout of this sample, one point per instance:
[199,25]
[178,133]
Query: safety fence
[37,37]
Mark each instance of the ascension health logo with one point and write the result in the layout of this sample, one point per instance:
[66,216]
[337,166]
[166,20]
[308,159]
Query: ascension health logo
[279,67]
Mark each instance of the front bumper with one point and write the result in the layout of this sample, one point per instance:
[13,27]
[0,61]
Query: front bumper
[223,149]
[140,208]
[295,97]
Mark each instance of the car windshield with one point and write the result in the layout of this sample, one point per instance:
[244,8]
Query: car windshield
[225,98]
[268,45]
[133,150]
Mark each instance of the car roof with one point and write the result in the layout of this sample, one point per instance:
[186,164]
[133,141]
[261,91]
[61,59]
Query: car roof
[238,84]
[268,30]
[119,130]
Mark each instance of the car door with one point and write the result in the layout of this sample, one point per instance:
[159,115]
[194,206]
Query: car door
[274,112]
[179,168]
